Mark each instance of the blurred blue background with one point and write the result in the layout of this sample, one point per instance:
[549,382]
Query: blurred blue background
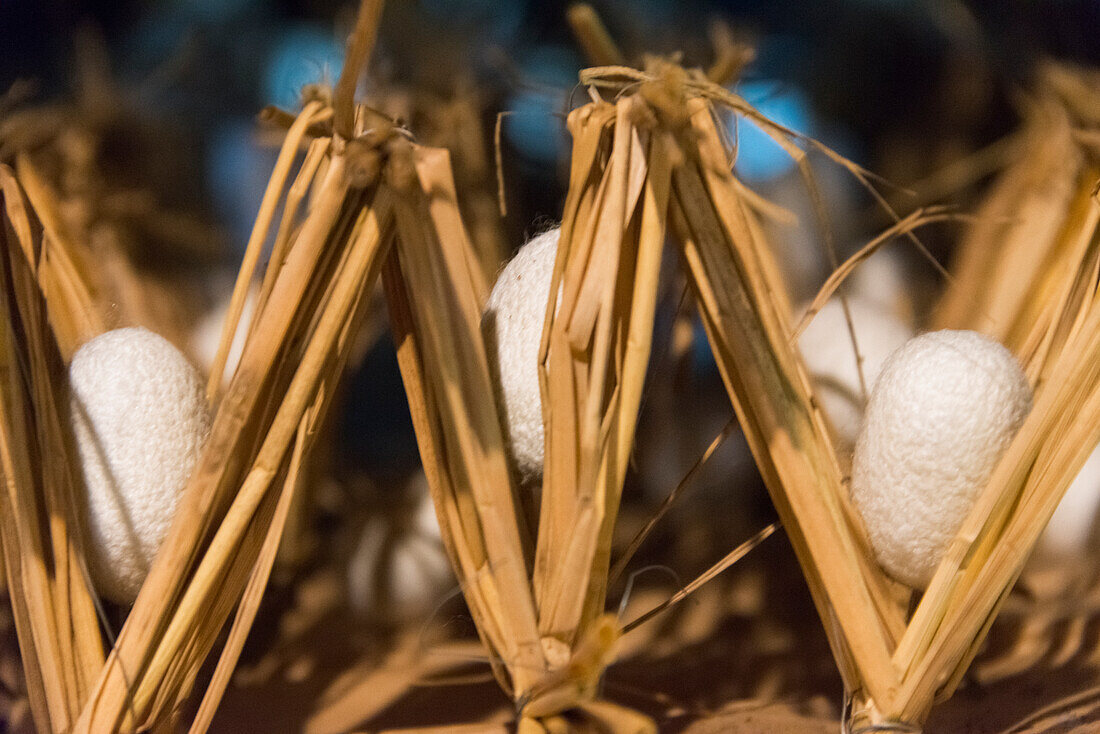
[862,73]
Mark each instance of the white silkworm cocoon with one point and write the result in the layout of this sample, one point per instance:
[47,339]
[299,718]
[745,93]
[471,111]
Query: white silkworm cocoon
[830,357]
[399,570]
[207,333]
[512,326]
[884,281]
[942,413]
[139,421]
[1071,532]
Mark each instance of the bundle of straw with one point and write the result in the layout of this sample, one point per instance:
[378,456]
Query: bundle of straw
[537,602]
[454,123]
[227,529]
[652,157]
[1021,246]
[71,284]
[223,540]
[65,280]
[113,249]
[1039,294]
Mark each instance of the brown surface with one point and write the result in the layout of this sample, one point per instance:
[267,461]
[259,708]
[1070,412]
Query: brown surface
[746,654]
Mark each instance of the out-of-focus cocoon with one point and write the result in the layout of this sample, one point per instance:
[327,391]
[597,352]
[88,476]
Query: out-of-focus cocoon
[884,281]
[207,334]
[827,349]
[399,569]
[139,420]
[1071,532]
[941,415]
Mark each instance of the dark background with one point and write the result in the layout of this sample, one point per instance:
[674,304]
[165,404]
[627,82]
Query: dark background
[873,72]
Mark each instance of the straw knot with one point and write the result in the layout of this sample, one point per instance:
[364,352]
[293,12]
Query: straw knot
[574,676]
[369,152]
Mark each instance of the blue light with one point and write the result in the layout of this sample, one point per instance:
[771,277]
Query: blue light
[552,65]
[759,158]
[156,36]
[237,170]
[536,123]
[303,55]
[702,358]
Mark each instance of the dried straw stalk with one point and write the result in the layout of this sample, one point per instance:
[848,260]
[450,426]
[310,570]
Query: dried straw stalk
[454,123]
[895,666]
[230,519]
[63,267]
[1017,248]
[224,537]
